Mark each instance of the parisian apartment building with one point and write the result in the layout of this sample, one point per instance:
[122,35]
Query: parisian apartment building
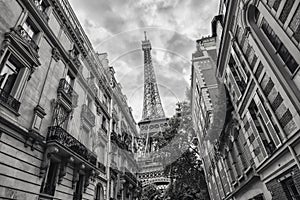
[254,151]
[66,130]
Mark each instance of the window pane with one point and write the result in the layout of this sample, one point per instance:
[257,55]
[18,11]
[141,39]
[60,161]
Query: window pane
[271,2]
[294,25]
[284,54]
[292,64]
[286,10]
[8,77]
[276,4]
[28,29]
[297,34]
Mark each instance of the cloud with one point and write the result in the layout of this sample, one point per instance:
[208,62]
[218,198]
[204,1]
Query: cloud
[117,27]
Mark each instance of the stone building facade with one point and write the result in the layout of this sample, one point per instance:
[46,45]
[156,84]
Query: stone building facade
[256,154]
[55,110]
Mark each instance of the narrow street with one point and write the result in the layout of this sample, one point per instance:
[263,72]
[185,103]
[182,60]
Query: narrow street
[149,100]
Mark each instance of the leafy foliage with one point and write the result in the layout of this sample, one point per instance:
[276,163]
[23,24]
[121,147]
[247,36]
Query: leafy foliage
[182,161]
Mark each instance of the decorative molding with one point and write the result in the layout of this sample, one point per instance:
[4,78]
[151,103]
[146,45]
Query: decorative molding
[63,168]
[46,159]
[55,54]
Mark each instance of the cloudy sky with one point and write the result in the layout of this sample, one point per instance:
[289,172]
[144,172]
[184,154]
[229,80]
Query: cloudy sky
[117,27]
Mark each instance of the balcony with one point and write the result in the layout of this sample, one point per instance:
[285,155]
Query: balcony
[66,141]
[129,176]
[118,141]
[26,37]
[88,115]
[66,91]
[9,101]
[104,128]
[114,137]
[101,167]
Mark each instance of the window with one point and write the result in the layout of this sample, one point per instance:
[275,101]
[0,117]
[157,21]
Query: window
[286,10]
[85,137]
[276,4]
[79,188]
[104,124]
[8,76]
[11,72]
[290,189]
[29,33]
[295,24]
[283,52]
[49,184]
[70,79]
[88,102]
[99,192]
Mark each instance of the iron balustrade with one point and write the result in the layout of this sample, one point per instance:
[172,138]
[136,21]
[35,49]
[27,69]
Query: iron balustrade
[119,141]
[88,114]
[26,37]
[59,135]
[129,175]
[8,100]
[104,128]
[101,167]
[65,88]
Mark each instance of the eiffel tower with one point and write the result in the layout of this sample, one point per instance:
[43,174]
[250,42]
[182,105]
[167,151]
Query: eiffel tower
[151,126]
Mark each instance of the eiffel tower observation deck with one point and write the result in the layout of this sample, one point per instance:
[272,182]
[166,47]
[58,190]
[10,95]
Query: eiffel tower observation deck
[152,125]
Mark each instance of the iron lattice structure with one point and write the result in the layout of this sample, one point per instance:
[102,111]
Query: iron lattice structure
[152,107]
[153,122]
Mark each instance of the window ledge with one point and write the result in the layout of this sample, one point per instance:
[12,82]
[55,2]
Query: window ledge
[9,109]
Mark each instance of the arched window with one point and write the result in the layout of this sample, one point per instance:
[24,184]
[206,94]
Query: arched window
[99,192]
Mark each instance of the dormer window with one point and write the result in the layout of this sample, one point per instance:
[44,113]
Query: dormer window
[30,33]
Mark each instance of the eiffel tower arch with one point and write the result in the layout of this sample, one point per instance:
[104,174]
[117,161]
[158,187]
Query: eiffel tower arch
[152,125]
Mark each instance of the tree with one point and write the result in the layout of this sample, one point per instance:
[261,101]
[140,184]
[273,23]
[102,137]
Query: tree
[180,159]
[182,163]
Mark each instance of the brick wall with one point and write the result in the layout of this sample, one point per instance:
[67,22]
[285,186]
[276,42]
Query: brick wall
[276,190]
[296,177]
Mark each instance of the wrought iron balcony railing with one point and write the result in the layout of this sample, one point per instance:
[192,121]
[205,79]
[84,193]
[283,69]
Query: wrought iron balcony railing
[9,101]
[119,141]
[129,175]
[114,136]
[104,128]
[88,115]
[26,37]
[66,89]
[59,135]
[101,167]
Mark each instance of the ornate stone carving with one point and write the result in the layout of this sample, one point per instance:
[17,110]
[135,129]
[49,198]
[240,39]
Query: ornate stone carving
[55,54]
[46,159]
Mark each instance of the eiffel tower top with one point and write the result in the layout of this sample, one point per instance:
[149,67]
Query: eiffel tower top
[152,107]
[146,45]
